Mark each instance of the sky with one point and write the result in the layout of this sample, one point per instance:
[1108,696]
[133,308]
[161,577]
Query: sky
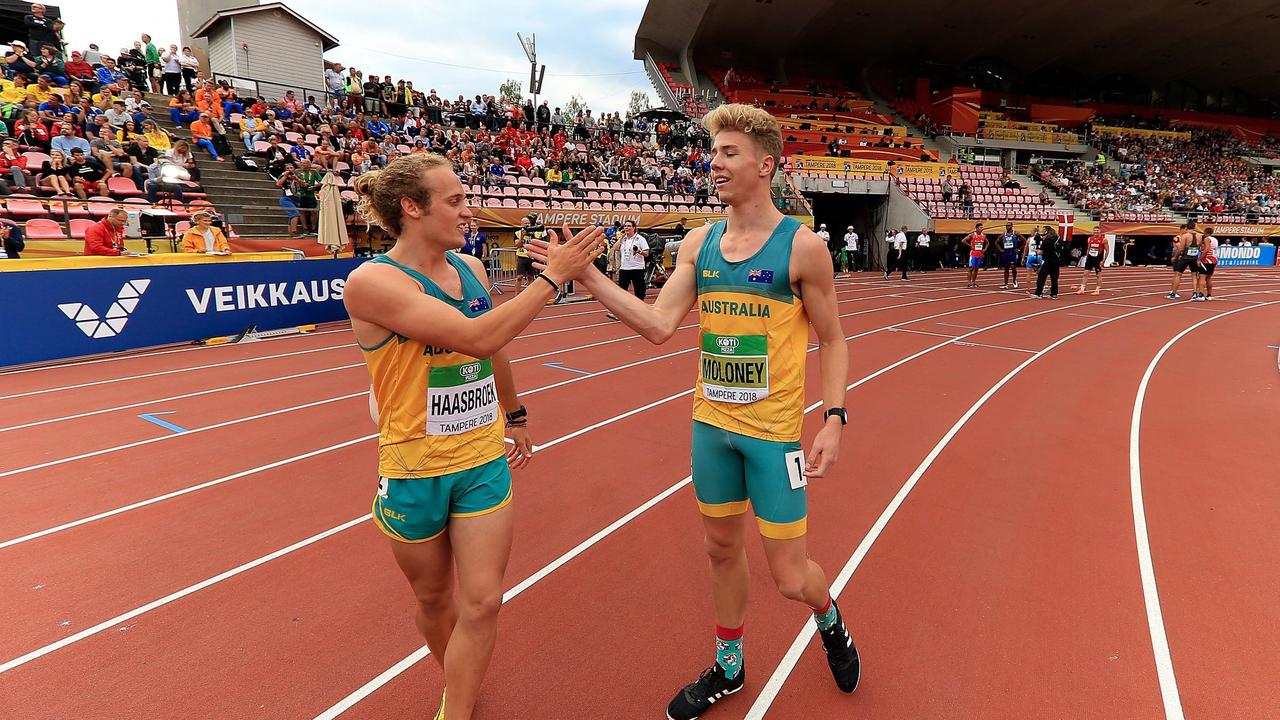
[586,45]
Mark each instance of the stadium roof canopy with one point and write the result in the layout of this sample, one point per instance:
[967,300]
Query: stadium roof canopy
[1212,45]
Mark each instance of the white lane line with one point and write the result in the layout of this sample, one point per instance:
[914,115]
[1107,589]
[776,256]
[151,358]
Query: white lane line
[125,617]
[132,356]
[994,347]
[387,675]
[193,431]
[363,393]
[1146,566]
[552,443]
[1095,317]
[183,491]
[780,674]
[183,396]
[368,688]
[920,332]
[193,368]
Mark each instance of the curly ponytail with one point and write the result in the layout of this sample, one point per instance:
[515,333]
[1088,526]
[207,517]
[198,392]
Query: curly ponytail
[380,191]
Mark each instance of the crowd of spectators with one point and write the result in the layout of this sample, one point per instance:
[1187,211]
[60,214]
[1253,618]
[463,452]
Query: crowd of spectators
[1203,175]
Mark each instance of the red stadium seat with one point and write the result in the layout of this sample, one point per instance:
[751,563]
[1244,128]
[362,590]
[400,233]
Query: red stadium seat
[44,229]
[78,226]
[122,187]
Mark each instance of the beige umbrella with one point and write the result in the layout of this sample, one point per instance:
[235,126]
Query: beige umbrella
[333,226]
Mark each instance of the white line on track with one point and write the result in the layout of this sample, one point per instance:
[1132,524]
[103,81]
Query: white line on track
[175,371]
[780,674]
[145,354]
[1146,566]
[404,664]
[40,652]
[183,396]
[188,433]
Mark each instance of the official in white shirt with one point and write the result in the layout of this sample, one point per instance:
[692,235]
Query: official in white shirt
[632,250]
[924,252]
[851,261]
[897,260]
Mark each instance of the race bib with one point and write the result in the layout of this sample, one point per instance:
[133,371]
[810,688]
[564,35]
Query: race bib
[461,398]
[979,246]
[1008,244]
[1093,252]
[735,368]
[1193,252]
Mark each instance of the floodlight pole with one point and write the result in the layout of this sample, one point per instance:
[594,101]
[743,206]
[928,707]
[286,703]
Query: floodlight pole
[530,48]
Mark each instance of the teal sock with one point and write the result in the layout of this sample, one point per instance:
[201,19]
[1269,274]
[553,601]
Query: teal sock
[825,618]
[729,651]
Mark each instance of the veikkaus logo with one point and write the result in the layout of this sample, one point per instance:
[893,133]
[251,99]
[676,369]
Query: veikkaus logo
[112,323]
[223,298]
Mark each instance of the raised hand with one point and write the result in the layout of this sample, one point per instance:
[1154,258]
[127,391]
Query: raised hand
[564,258]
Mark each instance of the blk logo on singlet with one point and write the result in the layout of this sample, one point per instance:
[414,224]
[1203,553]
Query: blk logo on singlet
[113,321]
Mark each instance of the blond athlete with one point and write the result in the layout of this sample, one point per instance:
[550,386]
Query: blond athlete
[760,279]
[434,346]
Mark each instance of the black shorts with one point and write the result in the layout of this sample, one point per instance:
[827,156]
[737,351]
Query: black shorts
[601,263]
[1093,262]
[1204,268]
[1182,264]
[524,266]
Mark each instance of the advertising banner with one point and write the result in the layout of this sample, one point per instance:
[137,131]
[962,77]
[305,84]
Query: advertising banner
[1053,138]
[812,163]
[1140,132]
[88,311]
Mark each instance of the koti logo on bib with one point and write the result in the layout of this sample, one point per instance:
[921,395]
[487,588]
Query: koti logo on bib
[470,371]
[727,344]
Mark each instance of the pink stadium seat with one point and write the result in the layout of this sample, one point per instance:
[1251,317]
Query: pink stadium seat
[181,227]
[122,187]
[24,208]
[44,229]
[312,139]
[293,137]
[78,226]
[509,203]
[261,146]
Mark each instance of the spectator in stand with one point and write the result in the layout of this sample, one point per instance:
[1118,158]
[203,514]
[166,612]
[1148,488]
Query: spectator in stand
[152,57]
[167,177]
[17,61]
[333,82]
[111,153]
[68,141]
[11,242]
[185,113]
[77,70]
[89,173]
[133,63]
[16,164]
[109,76]
[56,173]
[30,132]
[181,156]
[40,30]
[306,183]
[251,130]
[285,182]
[202,135]
[373,95]
[353,83]
[92,56]
[203,237]
[106,237]
[53,109]
[117,115]
[140,156]
[159,139]
[48,63]
[188,64]
[171,64]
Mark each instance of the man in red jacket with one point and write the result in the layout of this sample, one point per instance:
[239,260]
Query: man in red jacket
[106,237]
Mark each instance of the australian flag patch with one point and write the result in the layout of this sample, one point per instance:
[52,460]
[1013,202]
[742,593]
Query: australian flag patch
[760,276]
[479,304]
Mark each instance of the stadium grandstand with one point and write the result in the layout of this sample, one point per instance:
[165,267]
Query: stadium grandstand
[1075,134]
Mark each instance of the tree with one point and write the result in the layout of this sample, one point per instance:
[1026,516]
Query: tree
[575,104]
[639,103]
[511,92]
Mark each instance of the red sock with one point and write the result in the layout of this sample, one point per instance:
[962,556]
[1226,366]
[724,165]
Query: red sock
[826,607]
[724,633]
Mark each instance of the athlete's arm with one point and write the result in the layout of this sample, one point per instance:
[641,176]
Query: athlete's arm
[386,297]
[657,322]
[812,268]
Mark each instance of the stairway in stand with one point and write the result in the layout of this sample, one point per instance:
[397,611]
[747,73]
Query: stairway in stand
[248,200]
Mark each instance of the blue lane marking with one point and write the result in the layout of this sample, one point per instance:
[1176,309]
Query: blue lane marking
[560,366]
[151,418]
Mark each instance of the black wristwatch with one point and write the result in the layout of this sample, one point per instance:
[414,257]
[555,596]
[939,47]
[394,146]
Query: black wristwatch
[519,414]
[837,412]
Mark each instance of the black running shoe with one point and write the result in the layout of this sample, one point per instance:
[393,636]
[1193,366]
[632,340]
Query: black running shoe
[697,696]
[842,655]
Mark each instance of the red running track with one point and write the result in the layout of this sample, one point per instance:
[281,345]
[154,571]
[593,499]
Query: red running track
[1004,583]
